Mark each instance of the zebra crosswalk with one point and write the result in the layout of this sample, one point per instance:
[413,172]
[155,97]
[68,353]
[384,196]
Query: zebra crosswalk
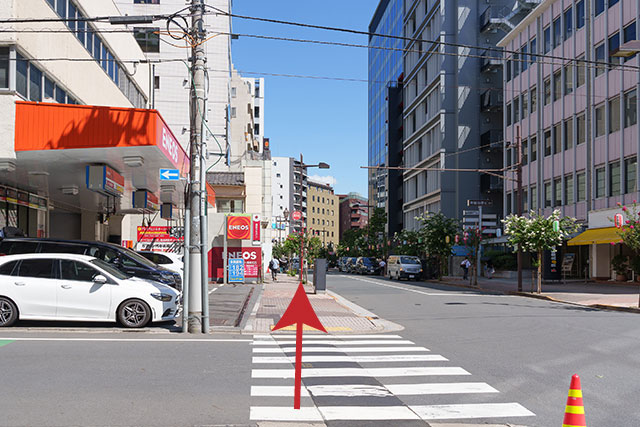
[367,378]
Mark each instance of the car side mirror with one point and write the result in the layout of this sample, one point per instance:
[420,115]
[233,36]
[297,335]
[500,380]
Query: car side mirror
[99,279]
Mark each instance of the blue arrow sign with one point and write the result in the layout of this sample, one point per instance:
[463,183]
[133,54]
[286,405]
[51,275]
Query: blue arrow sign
[169,175]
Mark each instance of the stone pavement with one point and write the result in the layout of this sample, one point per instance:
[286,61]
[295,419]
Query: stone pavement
[591,294]
[336,314]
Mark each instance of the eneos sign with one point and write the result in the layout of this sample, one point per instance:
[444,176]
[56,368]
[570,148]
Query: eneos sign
[238,227]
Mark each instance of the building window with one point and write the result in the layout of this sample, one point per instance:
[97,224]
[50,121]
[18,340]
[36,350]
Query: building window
[599,6]
[629,35]
[547,91]
[516,64]
[557,189]
[525,104]
[534,198]
[49,89]
[233,112]
[614,178]
[148,38]
[599,58]
[630,108]
[534,99]
[533,49]
[509,115]
[524,149]
[557,85]
[508,69]
[256,129]
[525,200]
[557,32]
[580,71]
[516,109]
[568,23]
[568,79]
[600,122]
[580,14]
[568,190]
[600,184]
[614,114]
[568,134]
[534,149]
[4,67]
[614,44]
[547,142]
[612,2]
[230,205]
[547,194]
[630,167]
[547,39]
[256,112]
[557,138]
[233,92]
[525,57]
[581,129]
[22,72]
[509,209]
[35,84]
[582,187]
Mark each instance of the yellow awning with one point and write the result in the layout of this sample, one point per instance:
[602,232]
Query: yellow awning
[596,235]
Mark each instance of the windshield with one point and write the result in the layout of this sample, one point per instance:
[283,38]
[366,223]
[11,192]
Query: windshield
[368,261]
[409,260]
[139,258]
[109,269]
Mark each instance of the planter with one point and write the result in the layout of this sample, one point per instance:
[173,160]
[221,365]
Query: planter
[621,277]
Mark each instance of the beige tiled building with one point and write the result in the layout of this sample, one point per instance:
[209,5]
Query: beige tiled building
[323,213]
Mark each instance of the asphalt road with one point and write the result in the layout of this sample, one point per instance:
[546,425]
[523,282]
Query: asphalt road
[527,349]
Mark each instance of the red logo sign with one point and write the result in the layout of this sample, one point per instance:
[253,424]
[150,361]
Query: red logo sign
[296,215]
[239,227]
[256,228]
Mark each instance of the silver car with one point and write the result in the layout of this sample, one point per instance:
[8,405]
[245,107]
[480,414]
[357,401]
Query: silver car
[404,267]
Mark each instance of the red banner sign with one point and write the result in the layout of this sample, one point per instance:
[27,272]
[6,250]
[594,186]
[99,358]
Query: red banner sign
[252,261]
[238,227]
[256,227]
[160,234]
[113,181]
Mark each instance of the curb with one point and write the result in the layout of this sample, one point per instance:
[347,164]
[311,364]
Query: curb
[541,297]
[382,325]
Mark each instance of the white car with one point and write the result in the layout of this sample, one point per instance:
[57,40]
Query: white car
[170,260]
[79,288]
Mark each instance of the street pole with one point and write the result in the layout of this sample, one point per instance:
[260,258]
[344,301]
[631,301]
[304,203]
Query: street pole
[519,201]
[301,218]
[197,111]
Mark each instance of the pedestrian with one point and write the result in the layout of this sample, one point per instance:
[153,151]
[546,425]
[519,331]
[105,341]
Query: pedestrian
[382,264]
[490,269]
[465,264]
[274,265]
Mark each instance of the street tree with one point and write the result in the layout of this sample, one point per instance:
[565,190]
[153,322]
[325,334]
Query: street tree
[408,242]
[437,233]
[538,233]
[629,232]
[472,239]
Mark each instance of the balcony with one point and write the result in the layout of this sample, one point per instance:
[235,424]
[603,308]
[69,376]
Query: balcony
[491,183]
[491,140]
[496,18]
[491,101]
[491,62]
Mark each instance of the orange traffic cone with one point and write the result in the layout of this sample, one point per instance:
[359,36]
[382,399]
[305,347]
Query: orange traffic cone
[574,413]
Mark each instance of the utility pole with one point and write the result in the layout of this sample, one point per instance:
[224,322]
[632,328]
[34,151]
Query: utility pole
[197,111]
[519,201]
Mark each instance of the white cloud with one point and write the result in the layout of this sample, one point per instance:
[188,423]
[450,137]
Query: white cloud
[328,180]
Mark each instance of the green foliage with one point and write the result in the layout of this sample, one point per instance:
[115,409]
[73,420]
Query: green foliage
[437,234]
[536,233]
[408,242]
[472,239]
[502,260]
[630,231]
[620,263]
[635,265]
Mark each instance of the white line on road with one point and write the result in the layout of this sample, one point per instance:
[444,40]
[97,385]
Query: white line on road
[435,294]
[128,339]
[359,372]
[367,390]
[308,350]
[439,388]
[284,413]
[336,342]
[471,410]
[356,359]
[213,290]
[278,337]
[367,413]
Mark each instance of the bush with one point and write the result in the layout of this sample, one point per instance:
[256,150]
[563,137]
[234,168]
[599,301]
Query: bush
[502,260]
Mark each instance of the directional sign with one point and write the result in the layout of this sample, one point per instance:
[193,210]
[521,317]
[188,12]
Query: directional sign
[482,202]
[169,175]
[236,270]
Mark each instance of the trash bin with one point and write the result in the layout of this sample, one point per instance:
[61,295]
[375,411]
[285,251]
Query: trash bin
[320,275]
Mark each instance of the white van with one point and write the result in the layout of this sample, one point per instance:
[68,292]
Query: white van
[404,267]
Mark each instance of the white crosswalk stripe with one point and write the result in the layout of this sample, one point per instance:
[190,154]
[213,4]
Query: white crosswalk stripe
[343,380]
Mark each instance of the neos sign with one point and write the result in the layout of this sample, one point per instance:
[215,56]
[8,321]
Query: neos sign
[170,145]
[239,227]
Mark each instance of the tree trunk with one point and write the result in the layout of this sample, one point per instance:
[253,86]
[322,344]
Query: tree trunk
[539,272]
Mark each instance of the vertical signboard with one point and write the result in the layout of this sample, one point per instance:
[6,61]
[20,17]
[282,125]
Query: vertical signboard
[236,270]
[255,228]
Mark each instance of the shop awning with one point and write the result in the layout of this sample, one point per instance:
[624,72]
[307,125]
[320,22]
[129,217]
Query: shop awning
[595,235]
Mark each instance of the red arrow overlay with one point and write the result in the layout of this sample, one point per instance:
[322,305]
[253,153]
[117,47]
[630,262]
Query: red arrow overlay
[299,313]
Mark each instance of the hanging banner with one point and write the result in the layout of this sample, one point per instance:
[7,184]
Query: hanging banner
[255,225]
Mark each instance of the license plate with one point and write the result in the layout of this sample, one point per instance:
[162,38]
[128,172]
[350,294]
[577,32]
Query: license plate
[411,276]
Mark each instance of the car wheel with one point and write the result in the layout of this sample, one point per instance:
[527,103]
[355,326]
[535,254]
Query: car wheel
[134,313]
[8,312]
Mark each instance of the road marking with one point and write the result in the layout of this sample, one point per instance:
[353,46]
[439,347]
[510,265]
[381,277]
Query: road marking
[356,359]
[359,372]
[327,336]
[307,350]
[213,290]
[471,410]
[436,294]
[335,342]
[129,339]
[352,413]
[5,342]
[439,388]
[284,413]
[276,391]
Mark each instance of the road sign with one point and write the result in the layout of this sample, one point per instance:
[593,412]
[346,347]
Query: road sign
[169,175]
[482,202]
[296,215]
[236,270]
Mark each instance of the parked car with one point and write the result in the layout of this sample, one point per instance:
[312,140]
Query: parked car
[404,267]
[52,286]
[342,262]
[125,260]
[350,265]
[366,265]
[171,260]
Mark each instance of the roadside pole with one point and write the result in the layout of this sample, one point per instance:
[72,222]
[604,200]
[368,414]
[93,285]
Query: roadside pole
[197,112]
[225,254]
[519,201]
[187,265]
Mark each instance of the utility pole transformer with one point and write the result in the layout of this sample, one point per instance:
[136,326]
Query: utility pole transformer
[196,211]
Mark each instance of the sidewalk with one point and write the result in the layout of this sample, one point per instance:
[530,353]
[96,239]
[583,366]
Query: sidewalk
[590,294]
[336,313]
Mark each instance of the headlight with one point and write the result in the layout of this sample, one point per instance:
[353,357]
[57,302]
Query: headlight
[162,297]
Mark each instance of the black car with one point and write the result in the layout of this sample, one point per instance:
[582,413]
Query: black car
[126,260]
[366,265]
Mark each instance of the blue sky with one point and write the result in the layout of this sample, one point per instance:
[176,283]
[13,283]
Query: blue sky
[325,120]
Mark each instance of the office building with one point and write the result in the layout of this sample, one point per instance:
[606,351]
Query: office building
[323,214]
[354,212]
[282,195]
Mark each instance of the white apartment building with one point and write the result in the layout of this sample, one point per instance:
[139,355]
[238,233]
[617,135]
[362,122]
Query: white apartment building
[67,96]
[282,194]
